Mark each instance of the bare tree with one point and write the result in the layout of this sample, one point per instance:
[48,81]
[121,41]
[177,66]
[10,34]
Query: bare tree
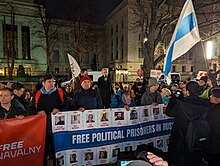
[10,51]
[48,34]
[157,18]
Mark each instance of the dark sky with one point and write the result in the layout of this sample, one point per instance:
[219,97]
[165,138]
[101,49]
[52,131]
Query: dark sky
[64,8]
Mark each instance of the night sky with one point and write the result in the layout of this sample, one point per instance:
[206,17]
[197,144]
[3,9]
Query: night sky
[64,8]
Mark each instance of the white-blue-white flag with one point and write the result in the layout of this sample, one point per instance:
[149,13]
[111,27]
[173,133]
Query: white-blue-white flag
[185,36]
[74,66]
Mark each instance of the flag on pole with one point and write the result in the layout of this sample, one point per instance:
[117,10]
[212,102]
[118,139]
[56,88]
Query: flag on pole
[185,36]
[74,66]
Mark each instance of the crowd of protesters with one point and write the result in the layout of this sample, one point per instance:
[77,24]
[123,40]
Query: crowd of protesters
[49,97]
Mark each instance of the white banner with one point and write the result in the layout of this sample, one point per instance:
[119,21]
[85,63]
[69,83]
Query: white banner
[97,137]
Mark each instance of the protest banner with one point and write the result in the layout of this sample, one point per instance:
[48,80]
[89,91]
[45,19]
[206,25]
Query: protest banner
[22,141]
[99,142]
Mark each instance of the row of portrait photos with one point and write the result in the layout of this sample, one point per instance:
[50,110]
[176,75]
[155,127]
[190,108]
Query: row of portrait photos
[76,120]
[105,154]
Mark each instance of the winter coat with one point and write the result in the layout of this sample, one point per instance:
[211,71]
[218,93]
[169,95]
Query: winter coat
[47,102]
[12,112]
[89,99]
[106,90]
[213,116]
[178,151]
[148,98]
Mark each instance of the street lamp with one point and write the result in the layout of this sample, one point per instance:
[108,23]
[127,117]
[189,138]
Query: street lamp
[209,49]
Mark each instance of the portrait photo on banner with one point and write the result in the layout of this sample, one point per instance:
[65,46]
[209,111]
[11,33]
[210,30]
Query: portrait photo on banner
[75,121]
[90,118]
[59,121]
[104,118]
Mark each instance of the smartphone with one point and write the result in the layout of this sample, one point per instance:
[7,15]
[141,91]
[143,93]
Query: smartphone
[124,163]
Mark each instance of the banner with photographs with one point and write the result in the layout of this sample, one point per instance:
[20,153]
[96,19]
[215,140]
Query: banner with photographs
[96,137]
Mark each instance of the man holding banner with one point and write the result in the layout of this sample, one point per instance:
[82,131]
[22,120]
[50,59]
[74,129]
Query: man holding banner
[49,100]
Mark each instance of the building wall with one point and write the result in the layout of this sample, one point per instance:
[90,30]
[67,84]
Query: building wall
[24,15]
[122,53]
[27,14]
[187,65]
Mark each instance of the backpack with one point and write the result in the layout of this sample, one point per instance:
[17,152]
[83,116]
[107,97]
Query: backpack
[198,132]
[37,96]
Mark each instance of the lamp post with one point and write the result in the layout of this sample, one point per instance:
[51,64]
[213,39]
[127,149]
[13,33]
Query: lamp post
[209,52]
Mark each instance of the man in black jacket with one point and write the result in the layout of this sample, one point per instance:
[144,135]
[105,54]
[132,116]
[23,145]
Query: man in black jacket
[105,88]
[192,105]
[46,101]
[7,108]
[19,101]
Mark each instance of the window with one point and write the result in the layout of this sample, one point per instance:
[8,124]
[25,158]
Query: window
[111,31]
[139,37]
[25,42]
[183,68]
[10,40]
[140,53]
[116,55]
[122,53]
[122,24]
[191,69]
[117,28]
[56,55]
[57,70]
[174,68]
[122,40]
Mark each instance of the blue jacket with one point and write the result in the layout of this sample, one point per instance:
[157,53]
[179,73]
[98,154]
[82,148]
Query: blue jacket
[117,100]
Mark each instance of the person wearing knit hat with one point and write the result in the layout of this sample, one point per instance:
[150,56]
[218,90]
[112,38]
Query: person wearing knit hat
[213,152]
[204,78]
[86,98]
[85,78]
[151,96]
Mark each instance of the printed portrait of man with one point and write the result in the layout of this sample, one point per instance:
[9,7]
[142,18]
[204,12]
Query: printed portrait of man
[90,119]
[115,152]
[73,158]
[145,112]
[156,111]
[119,115]
[59,120]
[89,156]
[133,115]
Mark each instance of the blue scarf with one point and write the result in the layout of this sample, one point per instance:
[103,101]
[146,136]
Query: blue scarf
[43,91]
